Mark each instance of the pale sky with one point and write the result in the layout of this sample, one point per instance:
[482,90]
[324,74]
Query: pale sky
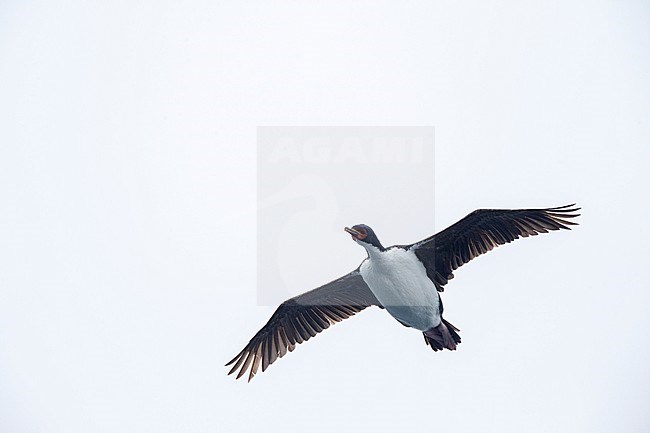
[128,134]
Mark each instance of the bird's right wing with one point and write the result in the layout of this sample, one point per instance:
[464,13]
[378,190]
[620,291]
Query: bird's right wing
[302,317]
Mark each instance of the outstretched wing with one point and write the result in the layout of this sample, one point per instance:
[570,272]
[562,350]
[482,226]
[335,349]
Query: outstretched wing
[483,230]
[302,317]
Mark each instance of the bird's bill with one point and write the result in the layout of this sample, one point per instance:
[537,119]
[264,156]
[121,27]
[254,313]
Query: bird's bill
[353,232]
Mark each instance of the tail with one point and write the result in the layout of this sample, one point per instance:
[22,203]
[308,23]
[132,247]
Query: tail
[443,336]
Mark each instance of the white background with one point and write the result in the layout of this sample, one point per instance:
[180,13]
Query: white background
[127,222]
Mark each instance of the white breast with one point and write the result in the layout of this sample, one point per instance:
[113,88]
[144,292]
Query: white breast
[399,281]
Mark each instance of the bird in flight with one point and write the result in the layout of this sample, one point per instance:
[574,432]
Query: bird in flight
[405,280]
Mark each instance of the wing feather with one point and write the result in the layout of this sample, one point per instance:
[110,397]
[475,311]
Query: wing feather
[301,318]
[483,230]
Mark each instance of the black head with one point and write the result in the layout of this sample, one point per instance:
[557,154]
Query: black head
[363,234]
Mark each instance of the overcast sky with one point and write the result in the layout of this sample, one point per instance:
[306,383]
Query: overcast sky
[128,246]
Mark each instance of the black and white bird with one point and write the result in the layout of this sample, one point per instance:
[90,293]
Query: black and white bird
[405,280]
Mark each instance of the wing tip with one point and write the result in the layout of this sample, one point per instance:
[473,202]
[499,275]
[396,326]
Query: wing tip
[563,209]
[560,213]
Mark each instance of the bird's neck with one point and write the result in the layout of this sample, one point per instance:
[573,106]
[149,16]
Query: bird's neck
[373,251]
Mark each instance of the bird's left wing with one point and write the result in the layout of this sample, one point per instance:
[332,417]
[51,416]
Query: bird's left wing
[302,317]
[481,231]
